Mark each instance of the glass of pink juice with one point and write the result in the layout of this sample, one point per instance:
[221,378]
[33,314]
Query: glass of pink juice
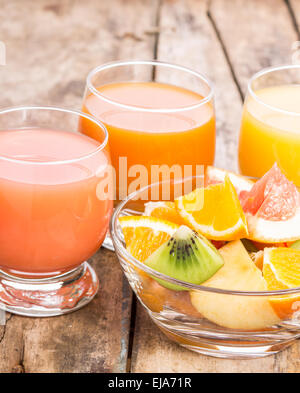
[55,205]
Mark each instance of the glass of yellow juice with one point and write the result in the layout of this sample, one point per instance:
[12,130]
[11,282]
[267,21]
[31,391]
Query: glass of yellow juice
[270,127]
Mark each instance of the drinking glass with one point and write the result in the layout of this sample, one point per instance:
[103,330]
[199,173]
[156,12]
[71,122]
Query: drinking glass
[160,118]
[54,209]
[270,127]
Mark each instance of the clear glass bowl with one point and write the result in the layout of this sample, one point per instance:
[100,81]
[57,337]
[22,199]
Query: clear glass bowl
[233,324]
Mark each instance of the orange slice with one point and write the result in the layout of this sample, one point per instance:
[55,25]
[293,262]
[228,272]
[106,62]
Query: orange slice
[163,210]
[214,211]
[281,270]
[143,235]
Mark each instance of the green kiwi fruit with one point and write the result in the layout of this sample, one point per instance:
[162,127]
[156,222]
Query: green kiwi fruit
[186,256]
[296,245]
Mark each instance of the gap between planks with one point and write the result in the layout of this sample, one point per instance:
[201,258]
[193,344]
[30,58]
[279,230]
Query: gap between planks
[293,17]
[225,52]
[217,31]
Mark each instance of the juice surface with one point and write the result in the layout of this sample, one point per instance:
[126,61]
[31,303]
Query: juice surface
[268,135]
[182,137]
[51,216]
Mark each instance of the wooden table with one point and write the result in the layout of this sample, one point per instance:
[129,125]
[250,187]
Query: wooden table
[51,45]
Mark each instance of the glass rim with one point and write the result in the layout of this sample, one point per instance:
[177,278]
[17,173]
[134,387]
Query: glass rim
[114,64]
[266,71]
[120,248]
[57,109]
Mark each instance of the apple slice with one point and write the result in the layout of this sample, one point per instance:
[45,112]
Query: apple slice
[232,311]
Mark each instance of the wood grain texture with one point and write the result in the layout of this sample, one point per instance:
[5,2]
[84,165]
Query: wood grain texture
[153,352]
[51,46]
[256,34]
[2,318]
[93,339]
[294,9]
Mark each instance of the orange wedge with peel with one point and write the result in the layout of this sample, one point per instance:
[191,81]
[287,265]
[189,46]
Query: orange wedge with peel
[143,235]
[215,175]
[214,211]
[163,210]
[281,270]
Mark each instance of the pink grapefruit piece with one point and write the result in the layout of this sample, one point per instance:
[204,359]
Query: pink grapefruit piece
[215,175]
[272,208]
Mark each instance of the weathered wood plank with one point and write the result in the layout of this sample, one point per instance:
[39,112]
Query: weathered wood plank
[153,352]
[256,34]
[249,35]
[51,46]
[93,339]
[294,7]
[2,318]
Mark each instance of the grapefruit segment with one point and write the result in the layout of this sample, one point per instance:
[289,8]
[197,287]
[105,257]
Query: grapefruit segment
[268,231]
[272,209]
[273,197]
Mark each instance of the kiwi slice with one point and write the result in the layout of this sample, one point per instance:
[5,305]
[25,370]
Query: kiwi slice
[186,256]
[296,245]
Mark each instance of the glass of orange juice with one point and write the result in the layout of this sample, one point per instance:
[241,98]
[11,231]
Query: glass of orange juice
[160,119]
[270,127]
[54,214]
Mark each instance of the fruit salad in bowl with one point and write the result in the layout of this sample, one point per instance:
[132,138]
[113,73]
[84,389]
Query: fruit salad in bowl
[218,267]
